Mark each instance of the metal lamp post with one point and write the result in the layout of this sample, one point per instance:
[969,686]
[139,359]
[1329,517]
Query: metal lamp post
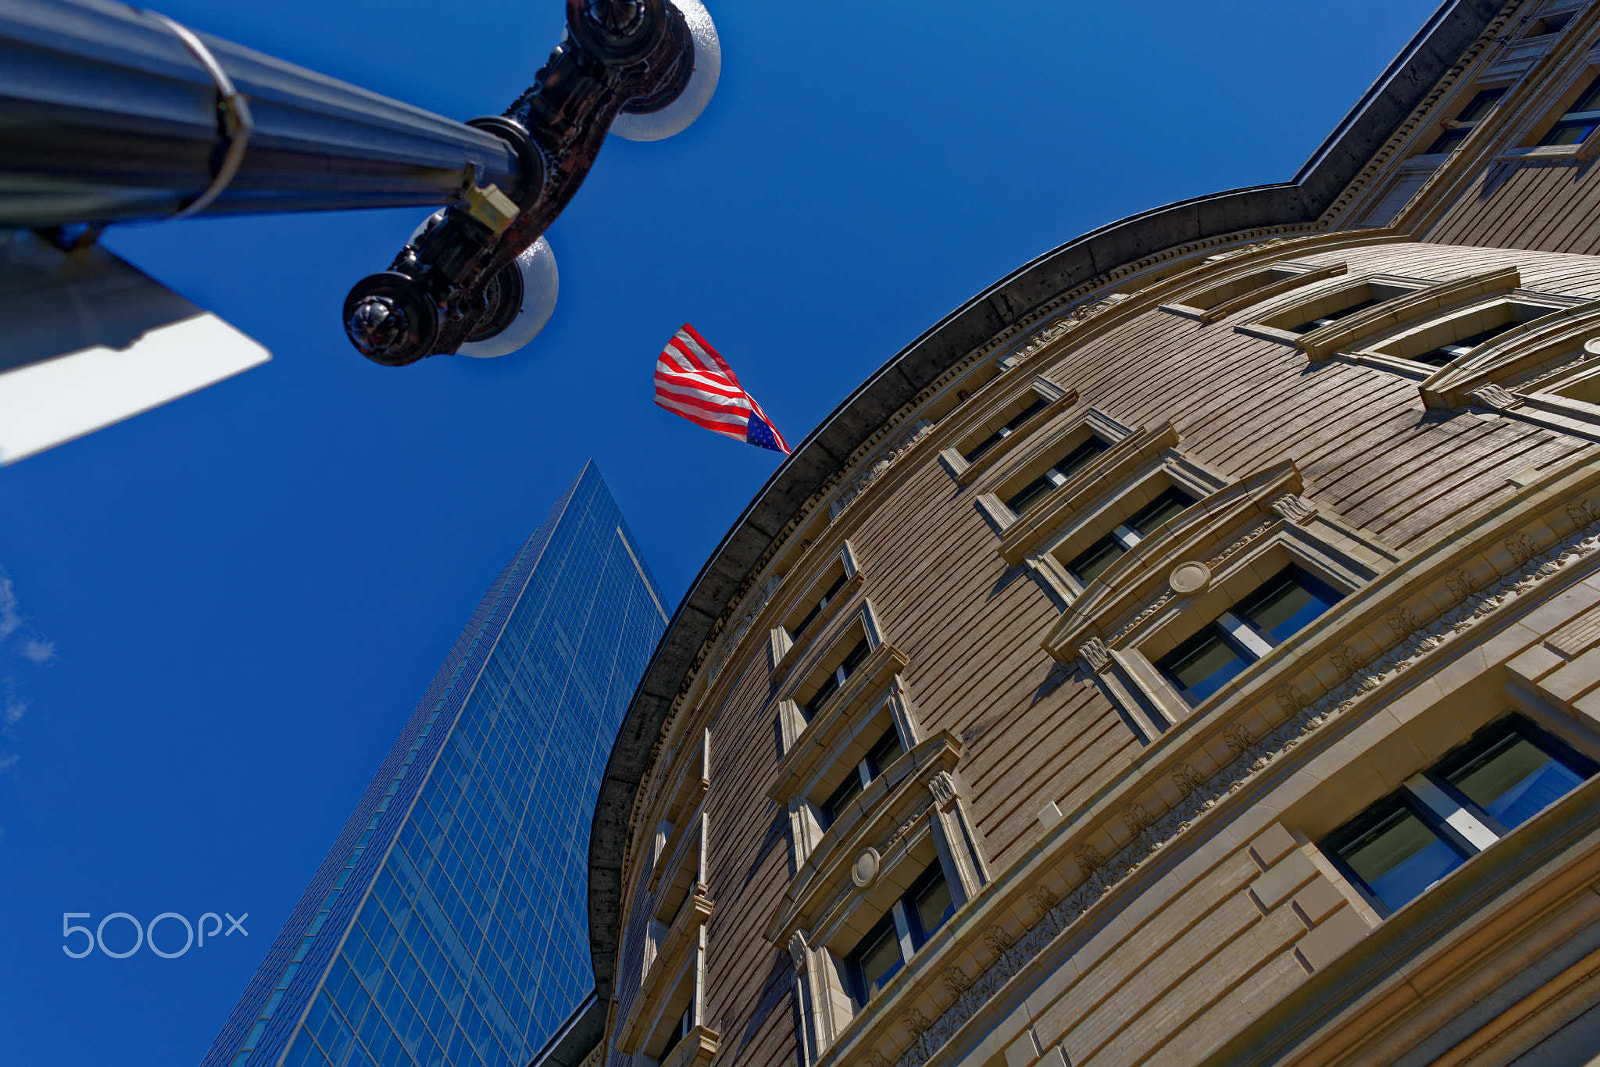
[109,113]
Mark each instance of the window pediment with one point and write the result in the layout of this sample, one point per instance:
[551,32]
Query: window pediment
[682,804]
[1104,477]
[1248,286]
[871,679]
[812,615]
[889,817]
[1513,355]
[1143,575]
[1323,343]
[1033,473]
[671,974]
[1054,399]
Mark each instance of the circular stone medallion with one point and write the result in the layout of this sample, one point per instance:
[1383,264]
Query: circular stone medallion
[1189,578]
[865,871]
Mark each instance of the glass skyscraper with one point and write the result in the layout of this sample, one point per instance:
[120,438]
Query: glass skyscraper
[447,926]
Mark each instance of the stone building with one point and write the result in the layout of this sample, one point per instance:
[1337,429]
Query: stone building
[1187,652]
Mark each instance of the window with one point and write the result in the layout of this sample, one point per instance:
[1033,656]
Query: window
[1579,121]
[1450,324]
[1058,474]
[1505,775]
[896,938]
[680,1030]
[1511,773]
[1457,129]
[1243,634]
[830,685]
[1293,322]
[1007,430]
[1334,315]
[886,751]
[1547,25]
[816,609]
[1396,849]
[1438,357]
[1087,565]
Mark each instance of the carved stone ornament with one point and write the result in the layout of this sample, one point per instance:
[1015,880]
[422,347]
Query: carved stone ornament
[897,447]
[943,788]
[1296,509]
[1494,397]
[1189,578]
[1461,584]
[798,951]
[865,869]
[1187,777]
[1095,652]
[1057,329]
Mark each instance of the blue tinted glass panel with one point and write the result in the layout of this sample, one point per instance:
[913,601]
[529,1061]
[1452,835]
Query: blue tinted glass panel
[1285,604]
[1397,855]
[472,946]
[1202,665]
[1513,780]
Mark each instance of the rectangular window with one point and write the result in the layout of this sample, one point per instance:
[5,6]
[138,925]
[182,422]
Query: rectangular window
[1579,121]
[680,1030]
[816,609]
[1058,474]
[886,751]
[840,674]
[890,945]
[876,960]
[1244,633]
[1005,431]
[1476,110]
[1512,772]
[1445,353]
[1089,563]
[1504,776]
[1330,317]
[1395,852]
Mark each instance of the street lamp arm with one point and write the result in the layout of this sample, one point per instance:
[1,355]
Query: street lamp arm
[451,283]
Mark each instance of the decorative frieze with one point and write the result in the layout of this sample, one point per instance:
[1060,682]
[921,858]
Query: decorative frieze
[892,453]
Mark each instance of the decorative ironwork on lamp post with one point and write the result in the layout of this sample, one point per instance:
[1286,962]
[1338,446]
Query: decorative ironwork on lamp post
[112,113]
[462,278]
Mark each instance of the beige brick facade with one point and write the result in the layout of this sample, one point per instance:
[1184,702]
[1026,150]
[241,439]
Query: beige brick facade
[1141,875]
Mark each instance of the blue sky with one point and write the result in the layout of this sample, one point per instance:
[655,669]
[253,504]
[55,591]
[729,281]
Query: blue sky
[215,617]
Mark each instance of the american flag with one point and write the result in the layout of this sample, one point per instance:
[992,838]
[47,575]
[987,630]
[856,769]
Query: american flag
[692,380]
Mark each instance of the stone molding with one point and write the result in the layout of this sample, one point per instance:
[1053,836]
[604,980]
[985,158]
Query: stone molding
[1516,352]
[1520,543]
[1325,342]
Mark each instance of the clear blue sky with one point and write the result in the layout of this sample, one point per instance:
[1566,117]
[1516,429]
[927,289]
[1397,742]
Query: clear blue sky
[238,598]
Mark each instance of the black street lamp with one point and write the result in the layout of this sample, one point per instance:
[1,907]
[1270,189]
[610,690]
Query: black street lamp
[109,113]
[458,280]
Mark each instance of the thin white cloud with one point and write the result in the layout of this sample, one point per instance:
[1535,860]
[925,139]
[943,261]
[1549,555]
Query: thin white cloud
[15,707]
[10,614]
[17,638]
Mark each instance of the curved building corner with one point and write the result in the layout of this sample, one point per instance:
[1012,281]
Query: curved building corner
[1186,652]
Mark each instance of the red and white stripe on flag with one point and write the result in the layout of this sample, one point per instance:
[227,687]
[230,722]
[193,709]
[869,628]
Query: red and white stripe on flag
[694,381]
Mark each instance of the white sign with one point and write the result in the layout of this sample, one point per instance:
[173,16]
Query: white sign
[86,340]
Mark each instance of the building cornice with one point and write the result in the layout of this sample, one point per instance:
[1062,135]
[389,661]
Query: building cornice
[819,461]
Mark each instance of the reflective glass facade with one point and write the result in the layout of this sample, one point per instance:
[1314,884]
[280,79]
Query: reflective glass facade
[447,925]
